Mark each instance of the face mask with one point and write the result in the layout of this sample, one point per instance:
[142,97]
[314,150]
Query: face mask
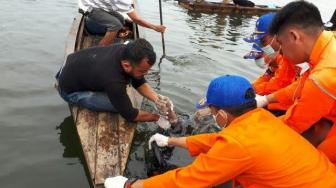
[268,50]
[226,120]
[215,117]
[260,63]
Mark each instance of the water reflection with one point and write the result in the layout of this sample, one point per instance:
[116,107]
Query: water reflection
[68,137]
[154,75]
[213,29]
[236,23]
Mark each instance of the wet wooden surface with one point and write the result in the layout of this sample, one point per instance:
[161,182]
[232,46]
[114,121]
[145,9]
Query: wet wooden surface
[106,138]
[218,7]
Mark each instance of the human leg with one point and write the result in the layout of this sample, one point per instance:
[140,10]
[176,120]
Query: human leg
[96,101]
[113,22]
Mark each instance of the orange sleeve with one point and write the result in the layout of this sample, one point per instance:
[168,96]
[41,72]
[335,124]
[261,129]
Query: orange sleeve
[259,84]
[286,95]
[283,76]
[201,143]
[224,161]
[309,108]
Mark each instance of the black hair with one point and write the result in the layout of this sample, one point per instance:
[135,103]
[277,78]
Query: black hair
[301,14]
[241,109]
[138,49]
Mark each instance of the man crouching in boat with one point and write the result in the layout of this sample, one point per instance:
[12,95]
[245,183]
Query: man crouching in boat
[96,78]
[110,13]
[255,148]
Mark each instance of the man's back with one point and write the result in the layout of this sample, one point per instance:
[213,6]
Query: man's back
[280,157]
[92,69]
[107,5]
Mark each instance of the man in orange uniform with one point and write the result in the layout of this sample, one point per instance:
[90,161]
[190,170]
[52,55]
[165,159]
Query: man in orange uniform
[299,30]
[265,51]
[255,148]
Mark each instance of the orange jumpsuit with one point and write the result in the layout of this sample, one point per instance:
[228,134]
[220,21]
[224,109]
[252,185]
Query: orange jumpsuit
[258,151]
[314,95]
[280,74]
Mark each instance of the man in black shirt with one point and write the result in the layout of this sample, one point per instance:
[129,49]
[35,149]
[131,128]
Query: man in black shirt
[96,78]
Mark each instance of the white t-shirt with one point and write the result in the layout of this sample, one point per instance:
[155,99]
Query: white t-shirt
[122,6]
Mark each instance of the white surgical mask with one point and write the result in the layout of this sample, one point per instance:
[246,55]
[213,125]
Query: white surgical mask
[260,62]
[226,120]
[268,50]
[215,117]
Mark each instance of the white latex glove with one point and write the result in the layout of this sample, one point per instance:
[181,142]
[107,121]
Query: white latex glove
[261,101]
[160,140]
[115,182]
[163,123]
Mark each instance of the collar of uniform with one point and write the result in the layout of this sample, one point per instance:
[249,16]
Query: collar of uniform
[243,116]
[320,44]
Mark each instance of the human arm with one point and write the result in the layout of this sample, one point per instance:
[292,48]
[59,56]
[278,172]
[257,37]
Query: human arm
[195,144]
[147,91]
[123,105]
[259,84]
[284,96]
[312,105]
[136,19]
[163,141]
[224,161]
[144,116]
[284,74]
[288,94]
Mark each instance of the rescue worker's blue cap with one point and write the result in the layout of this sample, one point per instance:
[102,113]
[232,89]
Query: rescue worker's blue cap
[226,92]
[262,26]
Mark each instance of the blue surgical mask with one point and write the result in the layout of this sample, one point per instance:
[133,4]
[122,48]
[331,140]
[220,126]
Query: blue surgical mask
[268,50]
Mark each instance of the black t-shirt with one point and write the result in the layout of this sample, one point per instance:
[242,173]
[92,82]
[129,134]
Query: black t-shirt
[99,69]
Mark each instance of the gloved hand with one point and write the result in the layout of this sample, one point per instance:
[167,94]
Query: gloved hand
[115,182]
[261,101]
[163,123]
[160,140]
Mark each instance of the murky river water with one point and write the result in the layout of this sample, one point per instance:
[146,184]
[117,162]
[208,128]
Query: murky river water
[37,143]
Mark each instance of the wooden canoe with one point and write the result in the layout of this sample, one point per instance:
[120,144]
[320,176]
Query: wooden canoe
[217,7]
[105,138]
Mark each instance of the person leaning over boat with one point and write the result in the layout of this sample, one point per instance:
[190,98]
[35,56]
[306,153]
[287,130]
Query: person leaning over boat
[280,71]
[109,14]
[299,30]
[255,148]
[96,78]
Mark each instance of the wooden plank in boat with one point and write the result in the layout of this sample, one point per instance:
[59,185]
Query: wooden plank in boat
[215,7]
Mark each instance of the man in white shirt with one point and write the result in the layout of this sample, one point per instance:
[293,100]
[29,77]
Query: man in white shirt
[109,14]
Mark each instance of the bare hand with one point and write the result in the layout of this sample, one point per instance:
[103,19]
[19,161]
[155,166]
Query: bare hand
[159,28]
[201,114]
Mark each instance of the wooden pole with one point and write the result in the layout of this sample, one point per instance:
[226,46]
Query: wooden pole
[162,35]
